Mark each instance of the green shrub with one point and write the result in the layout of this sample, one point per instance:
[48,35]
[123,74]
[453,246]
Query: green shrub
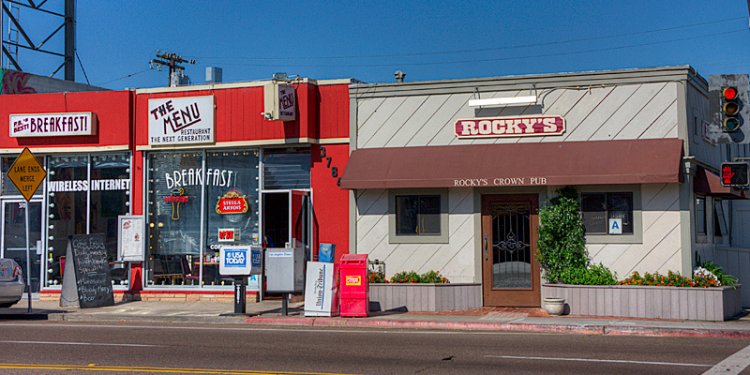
[432,277]
[724,278]
[411,277]
[592,275]
[561,246]
[670,279]
[376,277]
[405,277]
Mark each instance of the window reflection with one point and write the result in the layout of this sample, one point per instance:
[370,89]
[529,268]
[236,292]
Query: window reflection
[176,213]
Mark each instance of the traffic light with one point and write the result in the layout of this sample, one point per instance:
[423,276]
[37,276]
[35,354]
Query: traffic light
[730,109]
[735,174]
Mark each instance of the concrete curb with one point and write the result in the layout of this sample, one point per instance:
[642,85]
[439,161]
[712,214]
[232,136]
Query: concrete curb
[415,324]
[582,329]
[146,318]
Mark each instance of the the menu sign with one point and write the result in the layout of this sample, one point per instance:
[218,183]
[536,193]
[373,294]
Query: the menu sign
[52,124]
[179,121]
[496,127]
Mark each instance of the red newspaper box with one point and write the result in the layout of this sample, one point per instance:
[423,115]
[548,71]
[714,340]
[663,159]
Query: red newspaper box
[354,289]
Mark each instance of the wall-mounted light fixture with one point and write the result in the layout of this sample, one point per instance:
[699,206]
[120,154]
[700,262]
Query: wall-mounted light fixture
[493,102]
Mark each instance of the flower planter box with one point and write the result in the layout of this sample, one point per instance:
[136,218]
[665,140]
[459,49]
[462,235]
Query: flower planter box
[659,302]
[425,297]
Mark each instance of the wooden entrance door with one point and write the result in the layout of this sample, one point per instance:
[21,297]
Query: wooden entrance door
[510,271]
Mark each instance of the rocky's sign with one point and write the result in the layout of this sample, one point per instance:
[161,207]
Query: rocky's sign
[178,121]
[491,127]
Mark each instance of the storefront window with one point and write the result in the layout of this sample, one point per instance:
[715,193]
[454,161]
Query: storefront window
[233,208]
[418,215]
[110,198]
[192,194]
[700,216]
[68,204]
[86,194]
[174,215]
[285,168]
[599,208]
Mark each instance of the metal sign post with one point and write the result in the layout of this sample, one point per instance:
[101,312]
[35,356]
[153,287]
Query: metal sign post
[27,174]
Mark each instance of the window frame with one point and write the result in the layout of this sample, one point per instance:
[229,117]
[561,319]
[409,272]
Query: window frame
[701,231]
[605,238]
[441,238]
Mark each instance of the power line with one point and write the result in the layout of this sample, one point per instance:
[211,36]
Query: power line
[509,58]
[125,76]
[517,46]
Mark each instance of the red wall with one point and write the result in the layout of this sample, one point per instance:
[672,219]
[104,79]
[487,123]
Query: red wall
[334,112]
[238,114]
[323,113]
[112,109]
[330,202]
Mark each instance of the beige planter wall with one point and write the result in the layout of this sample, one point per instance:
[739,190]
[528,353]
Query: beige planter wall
[713,304]
[426,297]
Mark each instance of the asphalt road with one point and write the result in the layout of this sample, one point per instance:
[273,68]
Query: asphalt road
[42,347]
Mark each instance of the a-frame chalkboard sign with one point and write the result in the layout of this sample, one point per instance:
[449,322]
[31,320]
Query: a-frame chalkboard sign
[88,271]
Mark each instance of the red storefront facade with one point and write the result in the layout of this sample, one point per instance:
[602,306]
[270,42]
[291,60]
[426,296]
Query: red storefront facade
[283,175]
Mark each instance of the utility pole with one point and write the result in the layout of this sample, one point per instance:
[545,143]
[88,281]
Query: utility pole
[170,60]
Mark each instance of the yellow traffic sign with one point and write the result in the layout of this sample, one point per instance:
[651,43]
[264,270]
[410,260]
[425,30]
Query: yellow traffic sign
[27,174]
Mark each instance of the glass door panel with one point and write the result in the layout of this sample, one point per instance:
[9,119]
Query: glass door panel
[14,237]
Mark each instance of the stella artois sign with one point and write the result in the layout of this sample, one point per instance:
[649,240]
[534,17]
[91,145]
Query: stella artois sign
[494,127]
[233,202]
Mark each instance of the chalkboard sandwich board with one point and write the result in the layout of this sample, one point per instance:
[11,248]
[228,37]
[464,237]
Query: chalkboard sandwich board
[91,266]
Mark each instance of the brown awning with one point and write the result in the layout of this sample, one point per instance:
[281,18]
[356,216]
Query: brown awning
[709,183]
[518,164]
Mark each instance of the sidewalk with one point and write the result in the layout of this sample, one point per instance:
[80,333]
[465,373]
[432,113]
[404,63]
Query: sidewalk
[268,313]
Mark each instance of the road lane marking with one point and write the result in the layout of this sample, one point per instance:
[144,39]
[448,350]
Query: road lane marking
[73,343]
[734,364]
[161,370]
[388,331]
[599,360]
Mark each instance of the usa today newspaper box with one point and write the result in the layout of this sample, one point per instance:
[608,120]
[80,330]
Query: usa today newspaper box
[240,262]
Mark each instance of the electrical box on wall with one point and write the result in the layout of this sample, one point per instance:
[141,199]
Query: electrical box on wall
[280,101]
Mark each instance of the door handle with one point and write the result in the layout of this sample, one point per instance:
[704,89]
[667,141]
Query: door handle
[484,245]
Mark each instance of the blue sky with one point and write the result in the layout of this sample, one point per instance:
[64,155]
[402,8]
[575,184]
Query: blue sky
[370,40]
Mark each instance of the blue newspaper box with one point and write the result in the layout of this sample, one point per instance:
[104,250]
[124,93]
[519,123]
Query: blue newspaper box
[327,253]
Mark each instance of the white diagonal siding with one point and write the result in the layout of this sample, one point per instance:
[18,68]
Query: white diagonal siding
[634,111]
[456,259]
[660,248]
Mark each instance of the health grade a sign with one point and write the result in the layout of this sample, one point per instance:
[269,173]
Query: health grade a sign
[240,260]
[181,121]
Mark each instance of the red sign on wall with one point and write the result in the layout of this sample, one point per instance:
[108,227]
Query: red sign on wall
[233,202]
[228,234]
[492,127]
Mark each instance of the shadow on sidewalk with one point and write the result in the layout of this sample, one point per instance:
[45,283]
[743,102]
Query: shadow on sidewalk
[21,313]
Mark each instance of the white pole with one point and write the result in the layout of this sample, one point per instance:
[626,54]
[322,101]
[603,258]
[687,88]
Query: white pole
[28,256]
